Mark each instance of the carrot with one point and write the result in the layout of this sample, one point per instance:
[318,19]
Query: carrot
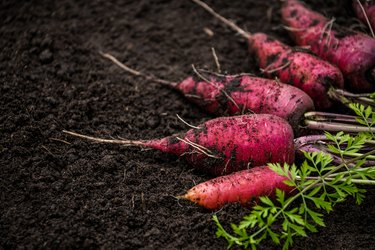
[224,145]
[293,66]
[236,94]
[365,11]
[245,186]
[248,93]
[233,94]
[353,52]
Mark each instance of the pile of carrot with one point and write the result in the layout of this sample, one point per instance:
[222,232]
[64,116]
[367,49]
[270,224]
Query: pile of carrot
[241,145]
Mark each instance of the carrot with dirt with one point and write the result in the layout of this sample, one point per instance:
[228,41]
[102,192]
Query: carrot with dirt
[291,65]
[229,144]
[226,144]
[237,94]
[244,186]
[353,52]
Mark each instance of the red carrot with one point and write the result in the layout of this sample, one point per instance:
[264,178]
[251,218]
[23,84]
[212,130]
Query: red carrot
[233,95]
[227,144]
[245,187]
[290,65]
[353,52]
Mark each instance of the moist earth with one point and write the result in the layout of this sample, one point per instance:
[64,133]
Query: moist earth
[59,192]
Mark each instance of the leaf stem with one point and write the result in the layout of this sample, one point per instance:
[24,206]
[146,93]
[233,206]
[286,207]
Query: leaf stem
[328,125]
[346,97]
[357,181]
[371,157]
[348,172]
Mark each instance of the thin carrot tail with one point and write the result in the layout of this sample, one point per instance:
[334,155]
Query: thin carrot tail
[182,197]
[224,20]
[123,142]
[136,72]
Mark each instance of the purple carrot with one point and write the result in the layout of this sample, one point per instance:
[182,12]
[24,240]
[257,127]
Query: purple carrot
[226,144]
[353,52]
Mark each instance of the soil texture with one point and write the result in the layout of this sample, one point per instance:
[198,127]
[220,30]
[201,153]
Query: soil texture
[59,192]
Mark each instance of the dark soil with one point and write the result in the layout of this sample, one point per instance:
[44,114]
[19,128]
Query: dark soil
[61,192]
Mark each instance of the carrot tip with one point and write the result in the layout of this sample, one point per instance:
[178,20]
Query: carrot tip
[182,197]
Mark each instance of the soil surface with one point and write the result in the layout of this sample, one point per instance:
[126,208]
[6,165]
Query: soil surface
[61,192]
